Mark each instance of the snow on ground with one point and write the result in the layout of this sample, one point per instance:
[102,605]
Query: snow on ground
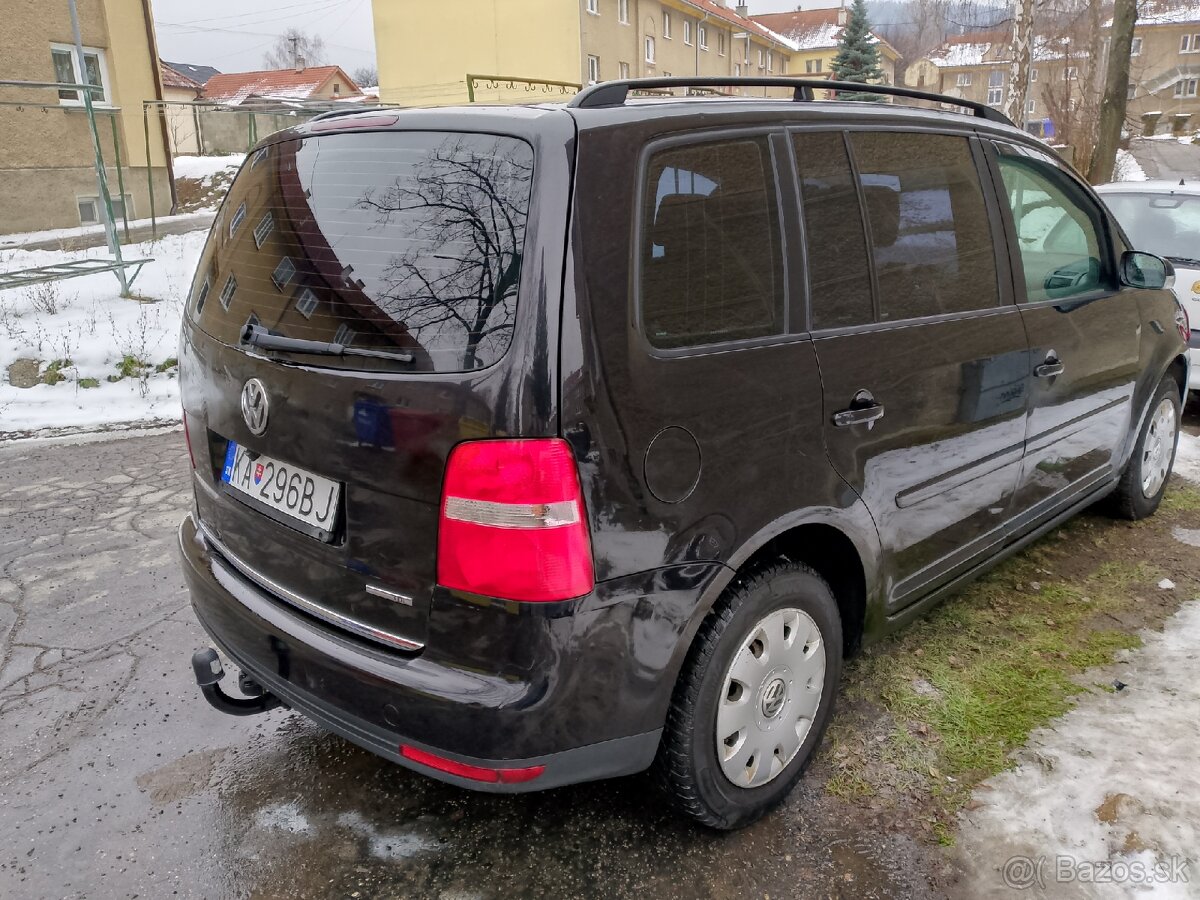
[205,166]
[29,237]
[1127,168]
[1187,457]
[1106,801]
[85,320]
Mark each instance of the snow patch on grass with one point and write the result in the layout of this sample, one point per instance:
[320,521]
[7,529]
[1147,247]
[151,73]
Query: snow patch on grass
[205,166]
[1187,457]
[1127,168]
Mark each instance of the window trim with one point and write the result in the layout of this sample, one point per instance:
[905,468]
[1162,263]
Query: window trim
[593,64]
[783,174]
[648,47]
[80,78]
[623,12]
[666,26]
[593,7]
[687,31]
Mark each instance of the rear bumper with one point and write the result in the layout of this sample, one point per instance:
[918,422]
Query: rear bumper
[576,713]
[1194,362]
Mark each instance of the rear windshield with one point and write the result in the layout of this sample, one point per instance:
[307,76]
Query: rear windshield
[404,242]
[1164,224]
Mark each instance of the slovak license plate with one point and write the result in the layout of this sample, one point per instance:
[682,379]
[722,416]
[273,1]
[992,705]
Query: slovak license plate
[282,487]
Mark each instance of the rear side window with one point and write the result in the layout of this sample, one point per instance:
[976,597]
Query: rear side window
[839,280]
[405,242]
[931,241]
[711,268]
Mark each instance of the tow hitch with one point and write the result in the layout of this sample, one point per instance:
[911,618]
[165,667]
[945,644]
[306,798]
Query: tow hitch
[207,666]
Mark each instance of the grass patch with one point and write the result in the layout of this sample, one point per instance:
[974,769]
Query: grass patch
[89,383]
[960,689]
[130,366]
[54,371]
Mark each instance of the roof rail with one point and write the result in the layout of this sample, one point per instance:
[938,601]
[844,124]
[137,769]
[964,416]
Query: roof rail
[615,93]
[346,111]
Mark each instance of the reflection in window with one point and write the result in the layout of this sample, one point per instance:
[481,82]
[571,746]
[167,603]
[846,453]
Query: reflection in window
[284,272]
[306,302]
[1163,224]
[344,335]
[930,237]
[239,216]
[262,229]
[227,292]
[202,295]
[711,266]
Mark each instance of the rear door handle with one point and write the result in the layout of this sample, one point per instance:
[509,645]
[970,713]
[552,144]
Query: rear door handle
[863,410]
[1051,367]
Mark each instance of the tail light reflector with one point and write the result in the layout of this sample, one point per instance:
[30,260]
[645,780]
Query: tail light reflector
[1182,321]
[512,523]
[475,773]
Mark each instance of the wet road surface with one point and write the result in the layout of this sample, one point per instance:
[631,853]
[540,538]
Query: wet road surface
[116,780]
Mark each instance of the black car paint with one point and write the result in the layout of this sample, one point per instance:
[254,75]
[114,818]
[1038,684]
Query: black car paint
[744,467]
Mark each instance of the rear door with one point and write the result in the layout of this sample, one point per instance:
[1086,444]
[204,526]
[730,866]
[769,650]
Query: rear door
[415,248]
[1084,332]
[922,353]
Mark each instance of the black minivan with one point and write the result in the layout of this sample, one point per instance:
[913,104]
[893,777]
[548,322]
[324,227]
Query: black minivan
[534,445]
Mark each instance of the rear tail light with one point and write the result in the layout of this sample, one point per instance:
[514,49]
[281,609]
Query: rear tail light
[187,439]
[1182,322]
[475,773]
[512,523]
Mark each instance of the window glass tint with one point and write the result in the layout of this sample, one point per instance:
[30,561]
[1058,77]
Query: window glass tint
[1057,234]
[710,256]
[930,236]
[407,242]
[839,280]
[1165,224]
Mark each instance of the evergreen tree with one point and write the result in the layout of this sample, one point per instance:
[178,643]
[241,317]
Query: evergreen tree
[857,57]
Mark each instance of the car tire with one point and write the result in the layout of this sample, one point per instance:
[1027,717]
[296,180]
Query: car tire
[757,609]
[1144,480]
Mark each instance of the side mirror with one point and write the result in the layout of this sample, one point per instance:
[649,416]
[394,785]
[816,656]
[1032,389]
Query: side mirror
[1146,271]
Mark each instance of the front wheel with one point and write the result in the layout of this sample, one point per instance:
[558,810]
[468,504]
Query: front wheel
[1144,480]
[754,697]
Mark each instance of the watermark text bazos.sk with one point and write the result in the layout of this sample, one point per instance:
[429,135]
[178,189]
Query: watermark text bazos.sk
[1022,872]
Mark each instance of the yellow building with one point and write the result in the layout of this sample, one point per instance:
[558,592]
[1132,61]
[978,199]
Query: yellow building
[817,34]
[47,164]
[571,41]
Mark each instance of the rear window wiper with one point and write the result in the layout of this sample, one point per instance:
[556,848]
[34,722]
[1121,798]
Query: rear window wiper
[1188,261]
[257,336]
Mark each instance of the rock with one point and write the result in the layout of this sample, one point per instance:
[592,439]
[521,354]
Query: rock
[1035,586]
[24,373]
[1119,685]
[924,688]
[1167,584]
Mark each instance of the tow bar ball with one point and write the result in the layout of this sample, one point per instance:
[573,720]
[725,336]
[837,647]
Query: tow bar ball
[209,671]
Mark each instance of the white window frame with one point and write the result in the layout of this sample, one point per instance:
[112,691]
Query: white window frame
[306,302]
[1186,87]
[720,42]
[1135,49]
[94,199]
[344,335]
[1185,43]
[995,88]
[623,70]
[702,37]
[1131,91]
[963,79]
[202,294]
[1070,73]
[101,61]
[1033,74]
[264,227]
[593,69]
[279,280]
[228,291]
[666,28]
[737,70]
[1030,106]
[649,46]
[687,31]
[762,58]
[239,216]
[623,11]
[770,61]
[593,7]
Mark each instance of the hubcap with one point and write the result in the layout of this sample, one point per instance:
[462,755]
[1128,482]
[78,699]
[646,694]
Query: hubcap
[1159,447]
[769,697]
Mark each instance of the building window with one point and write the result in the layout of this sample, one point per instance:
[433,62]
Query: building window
[344,335]
[1188,43]
[202,295]
[770,61]
[1185,87]
[666,26]
[259,156]
[812,66]
[737,70]
[720,43]
[1131,91]
[964,79]
[262,229]
[623,69]
[284,272]
[702,36]
[687,31]
[66,71]
[337,89]
[1136,48]
[239,216]
[306,303]
[89,209]
[995,94]
[746,52]
[593,6]
[1030,106]
[623,11]
[783,68]
[1070,73]
[650,50]
[762,58]
[1033,74]
[593,69]
[227,292]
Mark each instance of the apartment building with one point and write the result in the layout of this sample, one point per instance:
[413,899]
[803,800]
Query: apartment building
[571,41]
[47,161]
[1164,71]
[817,34]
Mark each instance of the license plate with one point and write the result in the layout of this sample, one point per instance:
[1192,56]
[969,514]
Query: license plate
[282,487]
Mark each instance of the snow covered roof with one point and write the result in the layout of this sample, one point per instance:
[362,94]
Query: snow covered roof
[811,29]
[198,74]
[962,52]
[718,9]
[235,88]
[173,78]
[1162,14]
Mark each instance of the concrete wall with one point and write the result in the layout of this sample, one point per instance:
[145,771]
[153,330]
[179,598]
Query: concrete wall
[182,122]
[229,130]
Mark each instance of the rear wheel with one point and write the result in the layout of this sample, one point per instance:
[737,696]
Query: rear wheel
[1144,480]
[754,698]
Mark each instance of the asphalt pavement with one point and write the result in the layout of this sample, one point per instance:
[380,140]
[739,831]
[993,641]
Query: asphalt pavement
[116,780]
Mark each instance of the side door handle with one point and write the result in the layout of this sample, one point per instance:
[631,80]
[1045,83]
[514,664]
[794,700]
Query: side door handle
[863,410]
[1051,367]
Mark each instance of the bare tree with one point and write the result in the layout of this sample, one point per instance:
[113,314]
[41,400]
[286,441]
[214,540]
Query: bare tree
[293,47]
[1116,87]
[366,76]
[1018,70]
[467,211]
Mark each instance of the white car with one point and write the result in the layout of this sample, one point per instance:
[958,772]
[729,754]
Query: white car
[1163,218]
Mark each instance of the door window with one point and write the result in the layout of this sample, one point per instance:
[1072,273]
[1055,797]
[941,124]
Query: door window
[931,241]
[711,266]
[1057,226]
[839,279]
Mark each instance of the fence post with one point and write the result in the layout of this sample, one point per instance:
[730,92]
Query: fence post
[120,176]
[149,169]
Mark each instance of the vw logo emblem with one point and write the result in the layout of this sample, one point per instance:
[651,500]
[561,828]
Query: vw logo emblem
[255,406]
[773,698]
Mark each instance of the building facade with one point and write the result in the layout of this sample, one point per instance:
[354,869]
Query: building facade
[817,34]
[571,41]
[1164,69]
[47,162]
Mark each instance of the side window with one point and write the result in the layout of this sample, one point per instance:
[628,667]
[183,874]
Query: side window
[711,267]
[930,237]
[839,280]
[1058,230]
